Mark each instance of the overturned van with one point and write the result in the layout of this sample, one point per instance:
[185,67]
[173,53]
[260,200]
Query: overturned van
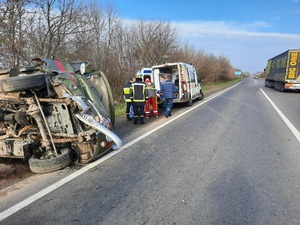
[184,77]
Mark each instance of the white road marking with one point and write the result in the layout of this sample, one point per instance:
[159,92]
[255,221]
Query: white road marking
[89,166]
[283,117]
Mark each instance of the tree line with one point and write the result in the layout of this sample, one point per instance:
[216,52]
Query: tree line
[72,30]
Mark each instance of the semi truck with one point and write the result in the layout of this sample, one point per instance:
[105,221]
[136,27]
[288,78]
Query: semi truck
[283,71]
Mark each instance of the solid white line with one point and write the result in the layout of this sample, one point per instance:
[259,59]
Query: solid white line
[89,166]
[283,117]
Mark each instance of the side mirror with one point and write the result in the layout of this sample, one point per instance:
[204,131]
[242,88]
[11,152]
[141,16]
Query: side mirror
[82,68]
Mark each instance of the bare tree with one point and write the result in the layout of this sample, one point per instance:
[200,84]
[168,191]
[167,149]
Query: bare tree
[13,31]
[185,53]
[210,68]
[153,42]
[54,25]
[70,30]
[227,71]
[86,44]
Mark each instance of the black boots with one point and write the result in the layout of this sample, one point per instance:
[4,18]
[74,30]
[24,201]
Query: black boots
[142,120]
[136,120]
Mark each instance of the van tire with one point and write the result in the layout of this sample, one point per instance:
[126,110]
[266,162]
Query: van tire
[61,161]
[23,83]
[200,97]
[190,103]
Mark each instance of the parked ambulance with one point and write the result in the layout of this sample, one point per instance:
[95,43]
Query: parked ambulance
[184,77]
[147,73]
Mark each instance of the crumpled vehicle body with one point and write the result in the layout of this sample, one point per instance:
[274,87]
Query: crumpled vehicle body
[53,113]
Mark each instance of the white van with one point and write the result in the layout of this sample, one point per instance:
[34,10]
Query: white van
[184,77]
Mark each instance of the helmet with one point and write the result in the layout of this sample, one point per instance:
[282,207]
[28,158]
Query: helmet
[147,80]
[139,75]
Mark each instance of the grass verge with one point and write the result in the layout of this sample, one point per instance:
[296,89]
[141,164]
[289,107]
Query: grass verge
[206,87]
[120,109]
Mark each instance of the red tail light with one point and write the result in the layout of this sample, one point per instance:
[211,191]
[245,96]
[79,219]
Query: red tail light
[184,86]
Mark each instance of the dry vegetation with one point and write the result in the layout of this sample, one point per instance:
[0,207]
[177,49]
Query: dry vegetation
[71,30]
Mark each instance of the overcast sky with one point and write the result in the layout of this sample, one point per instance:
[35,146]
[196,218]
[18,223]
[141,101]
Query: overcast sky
[246,32]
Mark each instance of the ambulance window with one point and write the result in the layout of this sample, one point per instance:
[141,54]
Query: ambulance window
[192,75]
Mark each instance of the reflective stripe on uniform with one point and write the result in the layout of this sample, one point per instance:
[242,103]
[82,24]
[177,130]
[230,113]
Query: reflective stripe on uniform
[142,86]
[127,90]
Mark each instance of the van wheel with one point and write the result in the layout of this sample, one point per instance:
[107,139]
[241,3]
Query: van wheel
[61,161]
[200,97]
[23,83]
[190,103]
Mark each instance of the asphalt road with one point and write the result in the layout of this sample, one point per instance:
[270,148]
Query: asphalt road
[229,159]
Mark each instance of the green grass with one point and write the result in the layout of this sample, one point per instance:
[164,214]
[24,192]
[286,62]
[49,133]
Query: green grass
[120,109]
[220,84]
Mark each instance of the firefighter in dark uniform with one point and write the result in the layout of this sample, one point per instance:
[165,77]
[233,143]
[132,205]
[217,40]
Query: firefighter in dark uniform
[127,93]
[138,99]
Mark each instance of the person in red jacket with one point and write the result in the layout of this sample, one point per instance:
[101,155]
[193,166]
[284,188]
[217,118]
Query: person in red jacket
[152,99]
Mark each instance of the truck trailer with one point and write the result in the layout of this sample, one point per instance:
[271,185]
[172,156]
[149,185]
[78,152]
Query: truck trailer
[283,71]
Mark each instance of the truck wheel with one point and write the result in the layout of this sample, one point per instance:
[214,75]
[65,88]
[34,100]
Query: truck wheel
[38,165]
[282,87]
[266,83]
[23,83]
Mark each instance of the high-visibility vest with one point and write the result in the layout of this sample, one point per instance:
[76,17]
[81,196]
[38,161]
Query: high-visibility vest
[138,91]
[127,92]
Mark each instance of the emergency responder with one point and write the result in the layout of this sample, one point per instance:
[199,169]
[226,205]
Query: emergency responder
[138,98]
[127,93]
[169,90]
[151,100]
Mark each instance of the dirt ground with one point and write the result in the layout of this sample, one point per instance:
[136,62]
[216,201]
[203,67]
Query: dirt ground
[12,171]
[15,170]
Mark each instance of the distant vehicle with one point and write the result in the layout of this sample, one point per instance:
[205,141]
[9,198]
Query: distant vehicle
[184,77]
[255,77]
[283,71]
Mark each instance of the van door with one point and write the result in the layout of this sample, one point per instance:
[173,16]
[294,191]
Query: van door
[156,80]
[192,82]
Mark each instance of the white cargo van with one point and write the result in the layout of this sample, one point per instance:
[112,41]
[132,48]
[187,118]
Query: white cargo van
[184,77]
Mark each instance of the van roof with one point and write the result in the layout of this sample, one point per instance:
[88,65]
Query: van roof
[171,64]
